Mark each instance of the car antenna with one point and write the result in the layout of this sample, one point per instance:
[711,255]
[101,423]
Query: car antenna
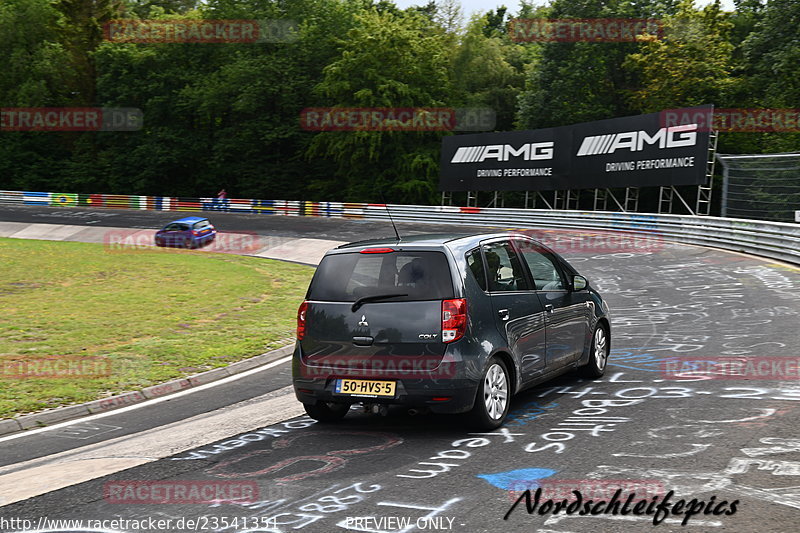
[386,205]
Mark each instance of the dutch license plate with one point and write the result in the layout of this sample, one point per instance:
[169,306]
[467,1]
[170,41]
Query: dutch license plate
[364,387]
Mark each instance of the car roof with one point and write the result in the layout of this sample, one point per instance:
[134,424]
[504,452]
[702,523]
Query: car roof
[189,220]
[430,239]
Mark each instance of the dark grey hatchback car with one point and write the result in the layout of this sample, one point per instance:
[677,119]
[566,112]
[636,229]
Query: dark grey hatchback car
[443,323]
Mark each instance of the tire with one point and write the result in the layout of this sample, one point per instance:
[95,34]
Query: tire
[493,397]
[598,354]
[327,411]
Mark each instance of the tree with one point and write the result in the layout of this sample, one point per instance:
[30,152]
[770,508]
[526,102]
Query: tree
[495,22]
[387,60]
[449,16]
[36,73]
[217,115]
[487,71]
[144,8]
[81,34]
[35,70]
[582,81]
[691,65]
[773,52]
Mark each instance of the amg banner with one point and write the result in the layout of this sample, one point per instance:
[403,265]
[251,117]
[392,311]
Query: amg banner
[643,151]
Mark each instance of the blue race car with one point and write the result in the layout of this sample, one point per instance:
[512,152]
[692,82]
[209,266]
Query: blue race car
[188,232]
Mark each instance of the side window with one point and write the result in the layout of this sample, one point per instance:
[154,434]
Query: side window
[503,269]
[546,274]
[475,264]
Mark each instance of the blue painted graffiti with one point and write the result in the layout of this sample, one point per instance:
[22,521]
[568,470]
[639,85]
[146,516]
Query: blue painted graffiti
[522,479]
[528,412]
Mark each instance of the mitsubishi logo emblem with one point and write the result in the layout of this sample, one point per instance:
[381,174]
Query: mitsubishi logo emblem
[363,321]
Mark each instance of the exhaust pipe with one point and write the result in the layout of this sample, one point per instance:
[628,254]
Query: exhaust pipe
[380,409]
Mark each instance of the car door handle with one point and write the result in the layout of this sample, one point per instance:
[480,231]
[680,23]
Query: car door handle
[503,314]
[548,308]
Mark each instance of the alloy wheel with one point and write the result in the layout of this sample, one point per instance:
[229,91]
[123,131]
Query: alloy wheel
[495,391]
[600,348]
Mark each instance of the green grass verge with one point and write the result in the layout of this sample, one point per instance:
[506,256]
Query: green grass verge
[155,314]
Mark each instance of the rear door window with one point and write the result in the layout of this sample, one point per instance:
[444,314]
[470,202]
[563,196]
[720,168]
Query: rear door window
[503,268]
[350,276]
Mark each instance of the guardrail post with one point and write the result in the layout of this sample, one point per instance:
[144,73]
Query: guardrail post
[724,208]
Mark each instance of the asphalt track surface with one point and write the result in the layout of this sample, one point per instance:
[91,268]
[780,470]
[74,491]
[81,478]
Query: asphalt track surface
[638,427]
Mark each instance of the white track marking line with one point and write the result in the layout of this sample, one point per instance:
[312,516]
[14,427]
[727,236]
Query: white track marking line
[148,403]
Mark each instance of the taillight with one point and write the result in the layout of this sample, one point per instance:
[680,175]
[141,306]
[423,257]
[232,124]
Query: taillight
[301,321]
[454,319]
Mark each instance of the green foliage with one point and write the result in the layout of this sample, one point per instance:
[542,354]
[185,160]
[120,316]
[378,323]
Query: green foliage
[689,66]
[227,114]
[34,62]
[35,73]
[495,22]
[487,70]
[388,60]
[773,51]
[580,81]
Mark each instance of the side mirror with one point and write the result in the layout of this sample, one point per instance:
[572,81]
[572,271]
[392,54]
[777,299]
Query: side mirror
[579,283]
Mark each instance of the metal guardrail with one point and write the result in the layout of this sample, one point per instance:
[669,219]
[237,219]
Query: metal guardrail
[775,240]
[770,239]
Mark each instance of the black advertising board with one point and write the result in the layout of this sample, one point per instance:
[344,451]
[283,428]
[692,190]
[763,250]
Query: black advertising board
[642,151]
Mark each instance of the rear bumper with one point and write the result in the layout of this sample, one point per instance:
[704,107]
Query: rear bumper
[204,238]
[442,390]
[445,401]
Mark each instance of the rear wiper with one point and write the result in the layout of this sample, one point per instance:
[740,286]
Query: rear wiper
[364,299]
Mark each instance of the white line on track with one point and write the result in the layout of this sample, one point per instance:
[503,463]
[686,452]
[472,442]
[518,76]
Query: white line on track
[148,403]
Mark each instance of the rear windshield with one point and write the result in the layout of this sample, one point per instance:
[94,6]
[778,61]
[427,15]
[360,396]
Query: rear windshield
[202,224]
[348,277]
[176,227]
